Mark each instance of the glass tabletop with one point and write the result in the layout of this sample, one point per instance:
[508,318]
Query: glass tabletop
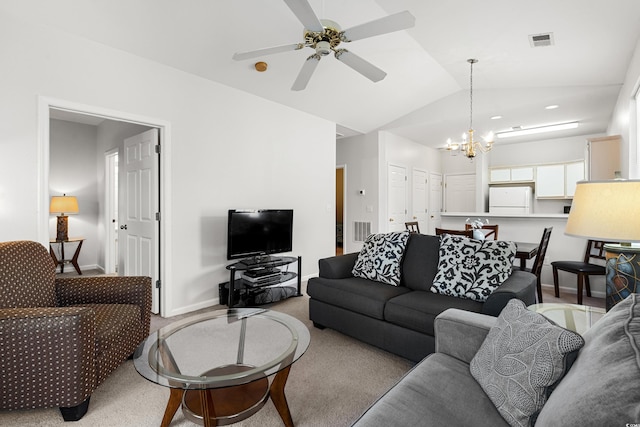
[576,317]
[221,348]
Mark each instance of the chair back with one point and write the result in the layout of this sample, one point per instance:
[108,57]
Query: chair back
[493,230]
[466,233]
[542,251]
[27,275]
[595,249]
[412,226]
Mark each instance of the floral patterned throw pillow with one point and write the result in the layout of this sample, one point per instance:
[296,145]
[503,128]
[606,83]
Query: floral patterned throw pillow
[380,257]
[472,269]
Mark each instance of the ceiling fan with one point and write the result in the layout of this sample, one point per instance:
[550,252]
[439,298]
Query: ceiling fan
[324,36]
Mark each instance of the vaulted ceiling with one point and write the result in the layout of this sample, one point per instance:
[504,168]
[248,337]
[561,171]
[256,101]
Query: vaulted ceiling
[425,95]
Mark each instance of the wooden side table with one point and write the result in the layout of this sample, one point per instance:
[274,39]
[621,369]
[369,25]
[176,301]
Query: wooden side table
[62,261]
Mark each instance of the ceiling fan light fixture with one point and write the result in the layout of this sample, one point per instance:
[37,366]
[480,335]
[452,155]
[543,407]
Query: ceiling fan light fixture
[323,48]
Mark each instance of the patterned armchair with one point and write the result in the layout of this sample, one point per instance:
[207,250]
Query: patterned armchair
[61,337]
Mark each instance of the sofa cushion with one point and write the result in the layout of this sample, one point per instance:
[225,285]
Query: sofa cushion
[380,257]
[523,354]
[602,386]
[417,310]
[472,269]
[356,294]
[439,391]
[420,261]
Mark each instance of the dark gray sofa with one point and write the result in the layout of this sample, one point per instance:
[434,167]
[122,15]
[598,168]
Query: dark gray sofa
[600,389]
[398,319]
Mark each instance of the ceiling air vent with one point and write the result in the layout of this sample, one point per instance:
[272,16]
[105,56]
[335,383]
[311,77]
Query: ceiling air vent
[540,40]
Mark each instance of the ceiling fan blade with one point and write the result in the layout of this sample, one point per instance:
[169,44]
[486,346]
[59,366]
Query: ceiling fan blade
[365,68]
[305,14]
[388,24]
[239,56]
[306,72]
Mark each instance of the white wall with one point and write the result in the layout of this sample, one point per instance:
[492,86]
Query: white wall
[72,172]
[228,149]
[625,118]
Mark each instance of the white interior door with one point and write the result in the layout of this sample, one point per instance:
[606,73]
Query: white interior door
[397,197]
[138,233]
[435,202]
[460,193]
[419,198]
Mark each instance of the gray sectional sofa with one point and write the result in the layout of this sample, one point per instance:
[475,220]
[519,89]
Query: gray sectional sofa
[601,387]
[399,319]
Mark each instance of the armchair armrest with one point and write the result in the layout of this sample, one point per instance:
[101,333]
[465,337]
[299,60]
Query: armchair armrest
[107,290]
[337,267]
[520,285]
[460,333]
[45,351]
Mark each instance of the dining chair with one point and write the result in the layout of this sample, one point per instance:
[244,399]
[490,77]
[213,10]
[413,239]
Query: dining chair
[493,230]
[412,226]
[536,268]
[583,269]
[466,233]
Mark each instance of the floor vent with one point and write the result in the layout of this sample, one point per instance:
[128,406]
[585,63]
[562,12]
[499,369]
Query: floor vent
[541,40]
[361,230]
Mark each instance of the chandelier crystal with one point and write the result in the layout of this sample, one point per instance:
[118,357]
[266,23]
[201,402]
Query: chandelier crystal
[468,145]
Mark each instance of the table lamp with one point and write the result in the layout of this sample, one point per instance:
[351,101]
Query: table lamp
[610,211]
[63,205]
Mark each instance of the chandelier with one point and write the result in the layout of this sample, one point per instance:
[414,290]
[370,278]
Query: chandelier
[468,146]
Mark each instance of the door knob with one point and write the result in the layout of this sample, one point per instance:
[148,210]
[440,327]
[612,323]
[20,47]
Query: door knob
[123,227]
[390,219]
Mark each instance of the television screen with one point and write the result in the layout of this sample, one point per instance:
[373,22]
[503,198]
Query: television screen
[259,232]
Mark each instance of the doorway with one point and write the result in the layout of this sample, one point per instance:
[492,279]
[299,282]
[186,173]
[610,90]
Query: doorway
[162,264]
[340,208]
[111,211]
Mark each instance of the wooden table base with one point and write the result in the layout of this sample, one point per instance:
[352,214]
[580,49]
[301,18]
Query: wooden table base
[223,406]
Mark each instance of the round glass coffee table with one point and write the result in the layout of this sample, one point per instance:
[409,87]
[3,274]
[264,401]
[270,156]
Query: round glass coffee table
[575,317]
[218,364]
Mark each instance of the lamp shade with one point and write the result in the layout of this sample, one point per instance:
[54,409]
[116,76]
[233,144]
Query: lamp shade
[606,210]
[63,205]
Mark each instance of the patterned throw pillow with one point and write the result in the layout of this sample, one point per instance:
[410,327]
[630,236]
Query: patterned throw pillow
[472,269]
[380,257]
[523,354]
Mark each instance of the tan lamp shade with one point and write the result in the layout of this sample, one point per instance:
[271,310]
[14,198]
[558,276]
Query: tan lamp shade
[63,205]
[606,210]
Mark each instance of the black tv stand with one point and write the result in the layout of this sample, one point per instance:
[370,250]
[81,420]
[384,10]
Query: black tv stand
[240,291]
[260,260]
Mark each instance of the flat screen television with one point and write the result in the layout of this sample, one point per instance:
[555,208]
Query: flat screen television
[252,234]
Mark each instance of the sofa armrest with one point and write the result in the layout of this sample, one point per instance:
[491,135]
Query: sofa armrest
[520,285]
[47,357]
[460,333]
[337,267]
[134,290]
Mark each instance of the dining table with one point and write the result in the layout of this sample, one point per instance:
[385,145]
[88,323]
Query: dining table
[526,251]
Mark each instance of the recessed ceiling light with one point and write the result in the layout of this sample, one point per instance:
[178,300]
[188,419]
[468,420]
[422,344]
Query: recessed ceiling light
[551,107]
[496,117]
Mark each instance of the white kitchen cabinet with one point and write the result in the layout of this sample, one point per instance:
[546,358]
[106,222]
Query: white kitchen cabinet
[500,175]
[514,174]
[550,181]
[522,174]
[574,172]
[558,181]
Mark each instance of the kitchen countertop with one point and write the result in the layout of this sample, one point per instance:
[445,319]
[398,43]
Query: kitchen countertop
[482,215]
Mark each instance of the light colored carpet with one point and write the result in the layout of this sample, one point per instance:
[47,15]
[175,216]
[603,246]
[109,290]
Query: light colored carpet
[331,385]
